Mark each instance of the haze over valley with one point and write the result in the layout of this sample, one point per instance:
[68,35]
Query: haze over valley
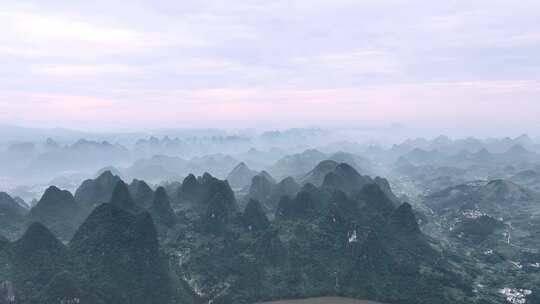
[257,216]
[269,152]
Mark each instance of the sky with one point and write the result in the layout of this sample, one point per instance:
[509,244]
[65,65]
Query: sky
[453,65]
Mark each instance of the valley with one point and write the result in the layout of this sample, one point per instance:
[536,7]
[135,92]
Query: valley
[310,224]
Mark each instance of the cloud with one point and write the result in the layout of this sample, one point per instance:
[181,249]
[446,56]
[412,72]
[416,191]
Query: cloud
[488,25]
[282,62]
[85,70]
[36,35]
[363,62]
[438,104]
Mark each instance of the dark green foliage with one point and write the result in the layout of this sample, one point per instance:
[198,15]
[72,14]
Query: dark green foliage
[141,193]
[317,175]
[322,242]
[268,193]
[261,188]
[11,214]
[217,214]
[64,289]
[199,192]
[3,242]
[403,220]
[345,237]
[346,179]
[254,218]
[122,199]
[269,248]
[385,187]
[477,229]
[368,262]
[93,192]
[10,207]
[376,201]
[307,202]
[286,187]
[190,189]
[302,206]
[117,253]
[58,210]
[212,187]
[161,210]
[497,196]
[35,258]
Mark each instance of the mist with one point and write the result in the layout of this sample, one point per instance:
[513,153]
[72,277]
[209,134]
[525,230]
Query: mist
[269,152]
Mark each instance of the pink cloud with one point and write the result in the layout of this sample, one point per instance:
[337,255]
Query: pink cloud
[460,103]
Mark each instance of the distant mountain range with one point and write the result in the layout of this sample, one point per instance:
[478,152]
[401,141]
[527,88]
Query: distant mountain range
[169,220]
[195,243]
[29,167]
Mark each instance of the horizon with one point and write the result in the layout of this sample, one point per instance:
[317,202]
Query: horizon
[380,135]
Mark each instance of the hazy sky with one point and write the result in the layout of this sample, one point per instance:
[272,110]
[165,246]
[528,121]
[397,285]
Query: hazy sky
[167,63]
